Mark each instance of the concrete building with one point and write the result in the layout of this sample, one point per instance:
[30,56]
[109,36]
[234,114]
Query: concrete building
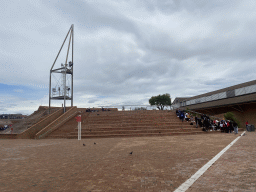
[11,116]
[239,99]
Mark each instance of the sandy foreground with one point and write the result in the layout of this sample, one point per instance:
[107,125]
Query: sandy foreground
[156,164]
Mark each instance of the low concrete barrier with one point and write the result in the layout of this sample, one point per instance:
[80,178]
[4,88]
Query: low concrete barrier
[8,136]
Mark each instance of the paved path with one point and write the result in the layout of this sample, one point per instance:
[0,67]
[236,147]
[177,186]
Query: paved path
[234,171]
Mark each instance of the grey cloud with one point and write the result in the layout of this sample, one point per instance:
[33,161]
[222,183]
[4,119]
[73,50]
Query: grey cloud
[92,18]
[92,100]
[131,50]
[218,81]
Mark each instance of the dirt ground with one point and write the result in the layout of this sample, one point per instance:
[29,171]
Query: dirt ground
[234,171]
[156,164]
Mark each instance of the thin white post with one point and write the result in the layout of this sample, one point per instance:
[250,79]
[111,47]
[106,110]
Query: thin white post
[80,130]
[78,119]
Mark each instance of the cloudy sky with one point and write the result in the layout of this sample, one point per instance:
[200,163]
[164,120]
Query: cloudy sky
[125,51]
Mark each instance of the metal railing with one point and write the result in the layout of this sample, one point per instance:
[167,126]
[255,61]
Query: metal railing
[136,107]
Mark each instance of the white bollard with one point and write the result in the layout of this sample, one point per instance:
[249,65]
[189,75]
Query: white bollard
[78,119]
[79,130]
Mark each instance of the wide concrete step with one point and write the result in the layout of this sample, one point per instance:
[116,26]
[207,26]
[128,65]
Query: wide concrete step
[144,127]
[84,136]
[132,118]
[118,128]
[108,129]
[132,114]
[57,137]
[138,111]
[94,132]
[133,123]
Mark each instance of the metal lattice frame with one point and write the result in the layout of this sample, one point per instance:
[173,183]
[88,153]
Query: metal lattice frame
[64,70]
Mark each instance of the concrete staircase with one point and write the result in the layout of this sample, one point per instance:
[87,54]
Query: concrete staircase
[70,113]
[126,124]
[67,128]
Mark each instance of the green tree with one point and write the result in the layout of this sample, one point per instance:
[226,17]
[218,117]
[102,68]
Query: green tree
[160,101]
[230,116]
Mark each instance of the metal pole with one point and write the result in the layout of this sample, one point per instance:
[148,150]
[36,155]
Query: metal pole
[68,47]
[72,63]
[65,88]
[50,93]
[66,70]
[60,48]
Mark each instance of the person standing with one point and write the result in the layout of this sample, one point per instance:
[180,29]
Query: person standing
[227,127]
[182,115]
[205,124]
[247,127]
[231,127]
[221,126]
[196,121]
[224,127]
[179,112]
[235,128]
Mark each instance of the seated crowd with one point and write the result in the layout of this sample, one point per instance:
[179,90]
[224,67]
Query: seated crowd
[93,110]
[207,123]
[3,127]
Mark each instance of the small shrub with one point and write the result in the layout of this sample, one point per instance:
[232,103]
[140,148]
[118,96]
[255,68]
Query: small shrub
[230,116]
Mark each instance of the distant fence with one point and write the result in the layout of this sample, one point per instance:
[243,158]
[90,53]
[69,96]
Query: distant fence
[137,107]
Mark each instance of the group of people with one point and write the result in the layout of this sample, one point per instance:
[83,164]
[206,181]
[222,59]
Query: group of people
[102,109]
[3,127]
[183,115]
[207,123]
[89,110]
[226,126]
